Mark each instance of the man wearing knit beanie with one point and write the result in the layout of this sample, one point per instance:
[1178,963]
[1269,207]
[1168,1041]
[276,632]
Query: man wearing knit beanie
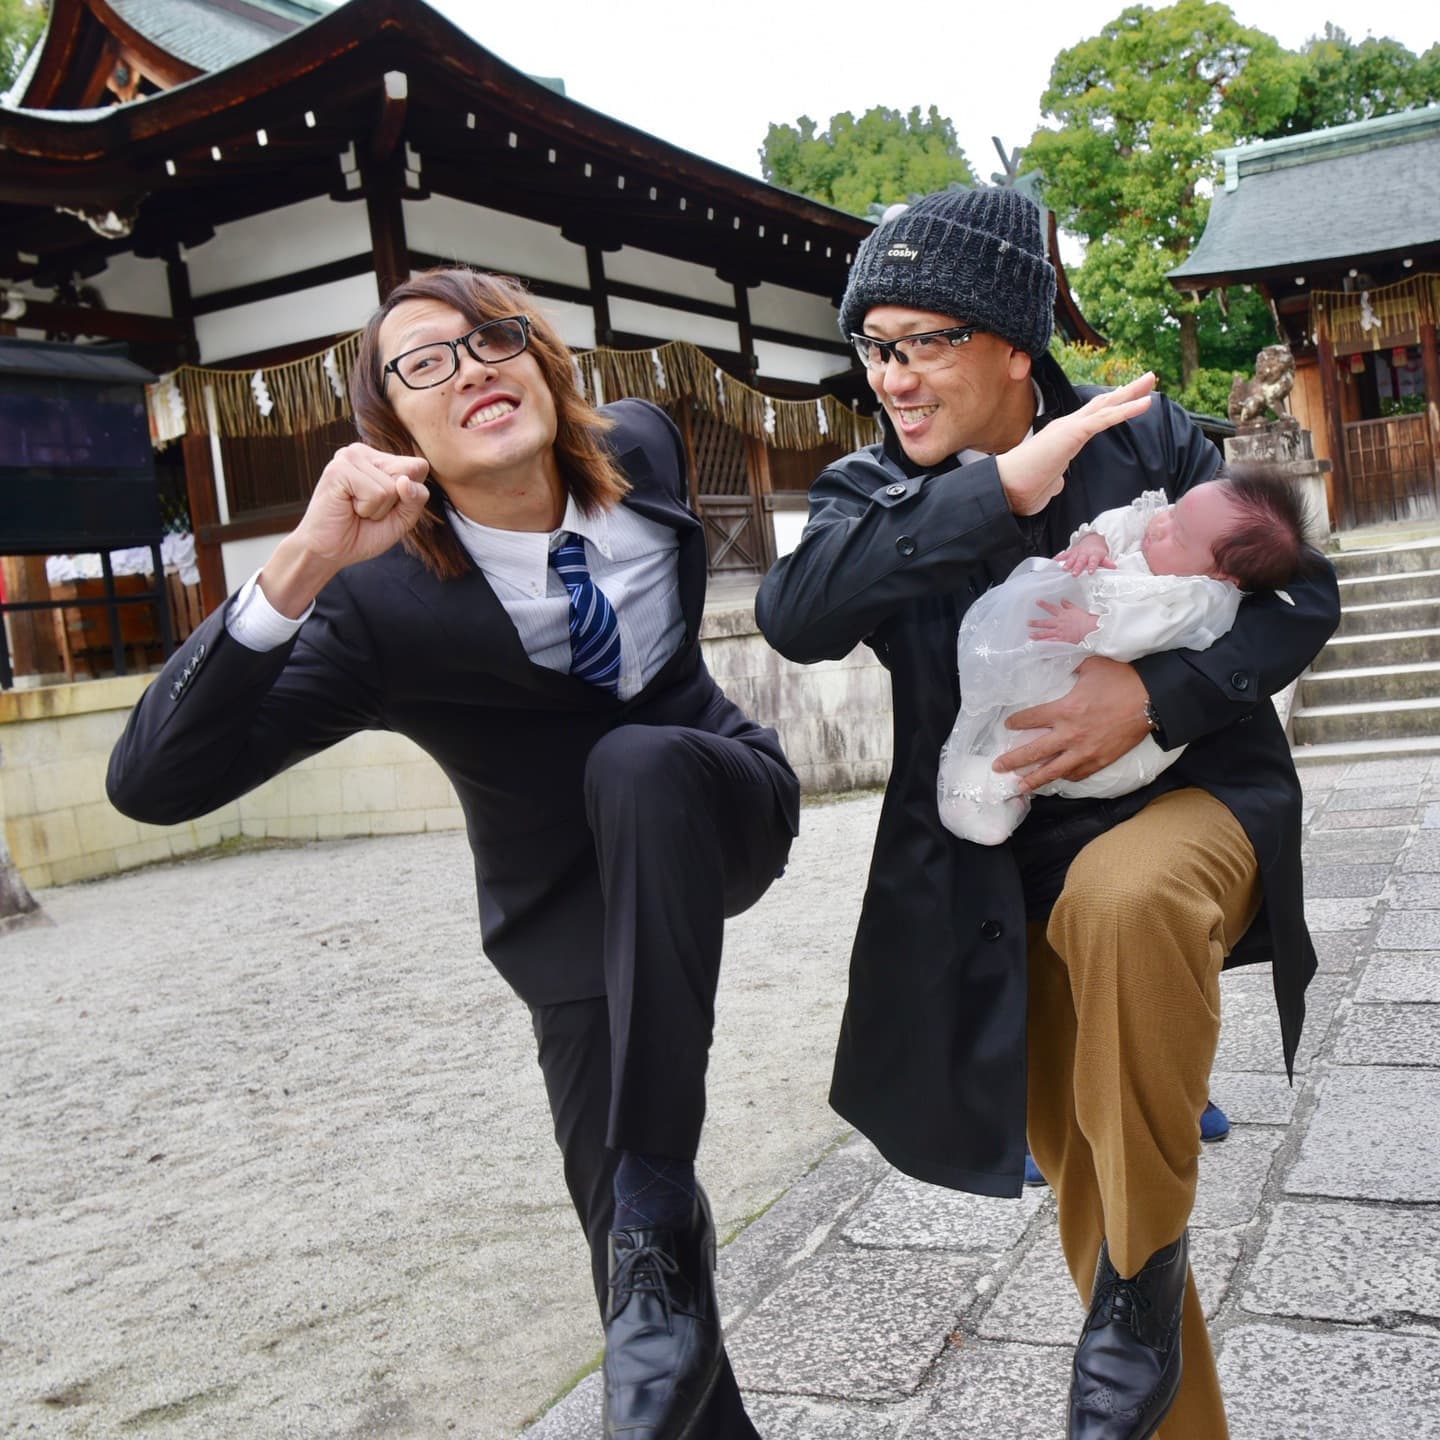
[1065,983]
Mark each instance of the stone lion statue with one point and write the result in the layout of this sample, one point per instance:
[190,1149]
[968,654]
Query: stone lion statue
[1274,377]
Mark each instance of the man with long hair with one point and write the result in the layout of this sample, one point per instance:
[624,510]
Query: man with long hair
[513,579]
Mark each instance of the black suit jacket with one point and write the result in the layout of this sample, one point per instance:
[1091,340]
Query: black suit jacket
[931,1061]
[391,647]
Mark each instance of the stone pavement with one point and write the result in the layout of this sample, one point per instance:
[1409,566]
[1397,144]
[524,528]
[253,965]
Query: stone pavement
[866,1306]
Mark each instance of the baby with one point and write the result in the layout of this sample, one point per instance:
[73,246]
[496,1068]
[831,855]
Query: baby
[1150,576]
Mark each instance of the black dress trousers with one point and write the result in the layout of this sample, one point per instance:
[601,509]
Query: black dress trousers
[688,829]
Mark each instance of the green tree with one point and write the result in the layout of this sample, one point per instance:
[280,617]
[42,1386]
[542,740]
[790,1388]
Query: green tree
[21,25]
[884,156]
[1141,109]
[1339,81]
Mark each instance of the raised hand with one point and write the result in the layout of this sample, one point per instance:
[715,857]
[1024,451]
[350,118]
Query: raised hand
[364,501]
[1065,622]
[1033,473]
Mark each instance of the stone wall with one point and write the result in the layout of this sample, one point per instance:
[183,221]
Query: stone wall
[55,743]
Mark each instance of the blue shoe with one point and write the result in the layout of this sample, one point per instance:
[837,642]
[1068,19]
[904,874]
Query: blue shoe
[1214,1123]
[1032,1171]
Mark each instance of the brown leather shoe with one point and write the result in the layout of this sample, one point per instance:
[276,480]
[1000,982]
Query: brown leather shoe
[1127,1364]
[663,1346]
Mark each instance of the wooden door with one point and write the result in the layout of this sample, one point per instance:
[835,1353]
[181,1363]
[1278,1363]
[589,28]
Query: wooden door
[1390,471]
[726,486]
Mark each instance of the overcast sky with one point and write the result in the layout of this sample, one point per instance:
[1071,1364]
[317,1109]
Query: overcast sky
[711,77]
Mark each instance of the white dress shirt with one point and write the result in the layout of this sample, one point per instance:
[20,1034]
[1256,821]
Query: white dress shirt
[632,559]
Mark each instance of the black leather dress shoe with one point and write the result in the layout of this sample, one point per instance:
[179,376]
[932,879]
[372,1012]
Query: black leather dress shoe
[663,1347]
[1127,1364]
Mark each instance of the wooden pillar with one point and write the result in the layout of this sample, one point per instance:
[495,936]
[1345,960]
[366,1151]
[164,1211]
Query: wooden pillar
[757,452]
[1334,428]
[1430,357]
[204,516]
[747,333]
[384,189]
[196,454]
[599,295]
[182,305]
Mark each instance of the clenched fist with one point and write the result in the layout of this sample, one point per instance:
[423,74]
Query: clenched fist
[364,501]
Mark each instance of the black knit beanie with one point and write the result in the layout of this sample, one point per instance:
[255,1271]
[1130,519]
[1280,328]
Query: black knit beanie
[975,254]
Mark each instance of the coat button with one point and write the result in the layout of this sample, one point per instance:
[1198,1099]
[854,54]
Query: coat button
[200,651]
[895,491]
[175,690]
[905,545]
[1240,680]
[991,929]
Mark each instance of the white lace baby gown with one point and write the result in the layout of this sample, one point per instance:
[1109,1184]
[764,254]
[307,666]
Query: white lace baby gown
[1003,670]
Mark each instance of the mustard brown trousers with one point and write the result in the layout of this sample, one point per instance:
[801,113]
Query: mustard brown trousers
[1124,1017]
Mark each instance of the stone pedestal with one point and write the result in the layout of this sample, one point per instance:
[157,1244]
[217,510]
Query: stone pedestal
[1285,446]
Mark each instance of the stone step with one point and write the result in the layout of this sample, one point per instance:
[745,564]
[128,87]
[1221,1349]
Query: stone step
[1338,751]
[1388,720]
[1370,684]
[1392,560]
[1388,617]
[1390,589]
[1406,647]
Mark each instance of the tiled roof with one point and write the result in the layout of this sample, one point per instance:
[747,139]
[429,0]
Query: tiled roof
[1337,194]
[211,37]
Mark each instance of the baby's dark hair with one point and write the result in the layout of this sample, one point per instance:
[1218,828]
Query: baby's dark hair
[1267,549]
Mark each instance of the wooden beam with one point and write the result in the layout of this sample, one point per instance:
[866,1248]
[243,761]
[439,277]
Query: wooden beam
[71,30]
[390,123]
[546,289]
[111,324]
[802,342]
[273,520]
[624,290]
[164,68]
[288,284]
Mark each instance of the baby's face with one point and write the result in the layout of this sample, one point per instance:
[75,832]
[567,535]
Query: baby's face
[1181,539]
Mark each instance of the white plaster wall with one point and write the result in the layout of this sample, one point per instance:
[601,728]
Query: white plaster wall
[242,558]
[661,272]
[665,324]
[280,242]
[789,362]
[576,323]
[492,240]
[140,286]
[777,307]
[267,324]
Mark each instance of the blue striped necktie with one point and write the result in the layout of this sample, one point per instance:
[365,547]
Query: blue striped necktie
[594,631]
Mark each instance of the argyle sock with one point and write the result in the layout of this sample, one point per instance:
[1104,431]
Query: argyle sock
[653,1192]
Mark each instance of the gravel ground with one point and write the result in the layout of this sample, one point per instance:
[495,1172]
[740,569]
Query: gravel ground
[275,1152]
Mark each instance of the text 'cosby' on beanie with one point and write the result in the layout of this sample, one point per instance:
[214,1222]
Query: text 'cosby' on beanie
[977,255]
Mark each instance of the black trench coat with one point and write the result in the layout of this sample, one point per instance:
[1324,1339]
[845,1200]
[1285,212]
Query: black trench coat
[931,1057]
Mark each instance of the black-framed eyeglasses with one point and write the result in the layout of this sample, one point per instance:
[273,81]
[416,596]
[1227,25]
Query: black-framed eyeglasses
[930,347]
[488,344]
